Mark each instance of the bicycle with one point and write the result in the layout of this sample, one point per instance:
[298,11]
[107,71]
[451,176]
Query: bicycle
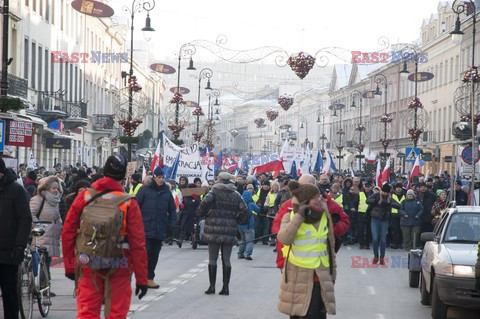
[34,278]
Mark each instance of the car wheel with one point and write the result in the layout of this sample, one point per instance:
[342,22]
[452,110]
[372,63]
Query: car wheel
[439,309]
[413,278]
[425,298]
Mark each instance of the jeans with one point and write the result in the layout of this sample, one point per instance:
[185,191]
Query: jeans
[409,233]
[379,236]
[261,227]
[246,234]
[8,285]
[153,246]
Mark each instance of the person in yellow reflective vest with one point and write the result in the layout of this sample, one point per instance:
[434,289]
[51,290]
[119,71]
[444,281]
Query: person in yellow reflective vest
[363,219]
[394,230]
[309,272]
[136,181]
[336,195]
[261,219]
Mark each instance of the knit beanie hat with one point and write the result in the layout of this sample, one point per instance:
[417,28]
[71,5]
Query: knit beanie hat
[303,192]
[410,192]
[386,188]
[115,167]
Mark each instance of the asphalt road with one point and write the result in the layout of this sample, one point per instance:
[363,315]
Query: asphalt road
[381,293]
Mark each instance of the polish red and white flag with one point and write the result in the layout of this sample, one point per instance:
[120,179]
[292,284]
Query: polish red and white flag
[156,158]
[378,174]
[415,171]
[386,172]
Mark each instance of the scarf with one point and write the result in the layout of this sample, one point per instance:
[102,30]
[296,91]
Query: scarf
[52,199]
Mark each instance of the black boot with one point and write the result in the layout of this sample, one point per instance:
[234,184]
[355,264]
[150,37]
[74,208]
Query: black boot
[227,271]
[212,277]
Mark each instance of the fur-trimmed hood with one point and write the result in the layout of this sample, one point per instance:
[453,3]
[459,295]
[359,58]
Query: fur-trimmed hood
[45,183]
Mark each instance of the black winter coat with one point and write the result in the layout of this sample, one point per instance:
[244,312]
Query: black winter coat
[158,210]
[15,217]
[381,211]
[223,208]
[427,201]
[461,198]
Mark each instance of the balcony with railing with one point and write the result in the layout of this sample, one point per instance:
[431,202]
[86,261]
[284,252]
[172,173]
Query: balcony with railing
[52,106]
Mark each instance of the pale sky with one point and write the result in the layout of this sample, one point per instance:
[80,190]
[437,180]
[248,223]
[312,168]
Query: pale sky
[307,25]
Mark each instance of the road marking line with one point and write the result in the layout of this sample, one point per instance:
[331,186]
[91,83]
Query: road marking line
[159,297]
[194,275]
[173,289]
[194,270]
[174,282]
[183,282]
[164,290]
[201,265]
[185,276]
[145,306]
[362,271]
[134,307]
[380,315]
[149,298]
[371,290]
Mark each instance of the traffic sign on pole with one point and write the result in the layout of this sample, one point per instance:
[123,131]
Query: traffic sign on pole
[411,154]
[467,155]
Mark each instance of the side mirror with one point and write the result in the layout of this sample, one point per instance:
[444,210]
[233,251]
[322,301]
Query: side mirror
[430,236]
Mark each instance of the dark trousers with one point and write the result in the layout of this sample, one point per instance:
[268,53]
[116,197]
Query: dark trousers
[261,227]
[363,229]
[153,250]
[395,231]
[316,309]
[8,285]
[353,230]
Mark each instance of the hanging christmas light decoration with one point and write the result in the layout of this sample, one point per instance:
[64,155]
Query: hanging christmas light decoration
[301,63]
[272,115]
[285,101]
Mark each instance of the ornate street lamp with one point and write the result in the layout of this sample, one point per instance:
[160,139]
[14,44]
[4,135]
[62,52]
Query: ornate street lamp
[137,6]
[386,119]
[415,118]
[186,51]
[472,78]
[360,129]
[340,132]
[205,73]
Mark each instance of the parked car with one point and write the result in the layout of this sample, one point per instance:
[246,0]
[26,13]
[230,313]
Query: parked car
[448,262]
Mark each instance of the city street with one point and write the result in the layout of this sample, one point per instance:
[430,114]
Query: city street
[181,273]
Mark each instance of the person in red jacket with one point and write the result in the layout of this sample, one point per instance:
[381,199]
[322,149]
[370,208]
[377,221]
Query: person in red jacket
[90,294]
[339,217]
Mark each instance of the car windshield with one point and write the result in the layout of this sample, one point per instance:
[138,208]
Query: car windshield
[463,228]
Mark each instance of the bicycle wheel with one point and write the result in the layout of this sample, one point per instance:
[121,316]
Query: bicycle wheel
[25,290]
[43,296]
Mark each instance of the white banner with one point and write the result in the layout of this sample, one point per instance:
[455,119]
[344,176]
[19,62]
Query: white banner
[293,153]
[190,164]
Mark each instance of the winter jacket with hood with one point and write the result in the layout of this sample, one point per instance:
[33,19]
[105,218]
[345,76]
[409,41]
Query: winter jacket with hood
[51,213]
[136,254]
[297,282]
[158,209]
[223,208]
[252,207]
[15,217]
[383,210]
[412,211]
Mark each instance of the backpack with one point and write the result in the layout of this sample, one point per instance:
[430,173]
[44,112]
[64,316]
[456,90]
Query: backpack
[99,238]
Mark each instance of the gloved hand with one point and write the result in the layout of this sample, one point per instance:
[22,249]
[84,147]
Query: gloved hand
[142,289]
[303,209]
[70,276]
[18,254]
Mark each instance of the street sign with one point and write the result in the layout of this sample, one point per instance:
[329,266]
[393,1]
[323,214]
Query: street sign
[468,177]
[411,154]
[427,157]
[2,135]
[448,159]
[467,155]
